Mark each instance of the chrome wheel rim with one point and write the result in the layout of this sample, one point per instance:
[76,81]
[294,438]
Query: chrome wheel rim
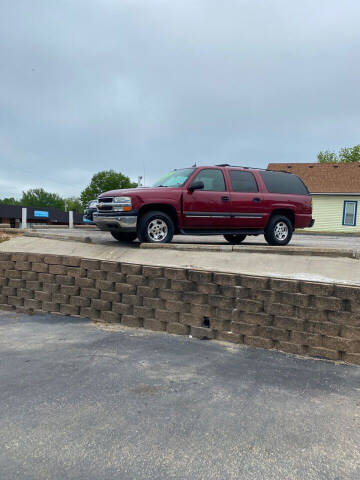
[281,231]
[157,230]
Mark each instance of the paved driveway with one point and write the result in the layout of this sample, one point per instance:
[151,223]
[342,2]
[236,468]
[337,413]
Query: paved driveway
[300,240]
[81,402]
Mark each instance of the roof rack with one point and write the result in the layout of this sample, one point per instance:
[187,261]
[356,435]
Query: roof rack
[239,166]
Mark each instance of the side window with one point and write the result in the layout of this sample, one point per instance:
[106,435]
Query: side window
[243,181]
[349,213]
[213,180]
[280,182]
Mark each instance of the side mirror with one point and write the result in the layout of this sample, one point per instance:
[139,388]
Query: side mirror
[196,186]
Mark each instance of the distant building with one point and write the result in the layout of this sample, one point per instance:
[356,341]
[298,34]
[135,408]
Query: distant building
[335,189]
[11,214]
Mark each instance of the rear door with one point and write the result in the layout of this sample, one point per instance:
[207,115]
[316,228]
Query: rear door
[209,208]
[247,202]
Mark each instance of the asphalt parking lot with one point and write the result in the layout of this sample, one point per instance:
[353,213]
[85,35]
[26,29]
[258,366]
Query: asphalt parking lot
[78,401]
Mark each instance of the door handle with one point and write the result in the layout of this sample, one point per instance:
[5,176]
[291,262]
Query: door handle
[257,199]
[225,199]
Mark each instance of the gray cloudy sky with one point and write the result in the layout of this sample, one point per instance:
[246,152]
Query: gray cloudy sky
[88,85]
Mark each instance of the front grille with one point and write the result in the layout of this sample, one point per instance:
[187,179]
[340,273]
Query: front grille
[105,200]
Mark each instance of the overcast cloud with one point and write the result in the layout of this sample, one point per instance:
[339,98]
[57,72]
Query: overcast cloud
[88,85]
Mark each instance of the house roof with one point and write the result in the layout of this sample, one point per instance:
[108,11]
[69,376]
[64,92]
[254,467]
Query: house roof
[325,177]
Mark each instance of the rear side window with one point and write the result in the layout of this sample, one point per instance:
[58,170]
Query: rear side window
[243,181]
[213,180]
[279,182]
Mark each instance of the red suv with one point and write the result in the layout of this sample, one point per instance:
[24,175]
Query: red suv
[231,201]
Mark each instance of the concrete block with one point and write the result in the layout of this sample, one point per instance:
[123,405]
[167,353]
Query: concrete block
[230,337]
[110,266]
[53,259]
[244,328]
[166,316]
[153,324]
[116,277]
[202,333]
[225,279]
[100,304]
[69,310]
[259,342]
[131,269]
[178,328]
[316,288]
[256,283]
[80,301]
[125,288]
[323,353]
[131,321]
[111,317]
[327,303]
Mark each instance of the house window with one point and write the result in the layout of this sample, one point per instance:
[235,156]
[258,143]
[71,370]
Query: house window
[349,214]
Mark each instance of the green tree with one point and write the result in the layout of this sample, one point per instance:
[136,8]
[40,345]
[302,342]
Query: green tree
[345,155]
[9,201]
[73,204]
[327,157]
[350,154]
[103,182]
[38,197]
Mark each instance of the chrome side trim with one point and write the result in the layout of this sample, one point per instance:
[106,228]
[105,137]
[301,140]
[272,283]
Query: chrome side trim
[222,215]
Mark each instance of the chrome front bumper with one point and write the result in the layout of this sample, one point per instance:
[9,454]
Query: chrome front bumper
[116,223]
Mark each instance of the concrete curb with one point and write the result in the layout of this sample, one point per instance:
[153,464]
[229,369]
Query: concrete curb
[305,251]
[66,238]
[45,227]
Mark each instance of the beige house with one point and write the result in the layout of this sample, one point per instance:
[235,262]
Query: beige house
[335,190]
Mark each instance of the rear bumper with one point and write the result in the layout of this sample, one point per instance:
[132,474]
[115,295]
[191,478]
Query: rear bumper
[303,221]
[115,223]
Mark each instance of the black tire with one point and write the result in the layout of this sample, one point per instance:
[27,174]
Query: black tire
[279,230]
[155,224]
[123,236]
[235,239]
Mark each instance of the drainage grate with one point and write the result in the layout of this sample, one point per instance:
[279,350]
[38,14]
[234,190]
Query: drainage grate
[206,322]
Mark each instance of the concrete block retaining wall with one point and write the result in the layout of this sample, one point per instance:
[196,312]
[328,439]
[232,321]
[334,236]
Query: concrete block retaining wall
[295,316]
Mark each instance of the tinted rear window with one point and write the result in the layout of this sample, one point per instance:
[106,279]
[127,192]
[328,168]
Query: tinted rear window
[278,182]
[243,181]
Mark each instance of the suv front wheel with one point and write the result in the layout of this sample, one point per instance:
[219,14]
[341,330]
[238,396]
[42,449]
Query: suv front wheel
[279,230]
[156,227]
[235,239]
[124,237]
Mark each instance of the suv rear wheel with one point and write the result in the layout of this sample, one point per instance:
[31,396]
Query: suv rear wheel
[279,230]
[235,239]
[156,227]
[124,237]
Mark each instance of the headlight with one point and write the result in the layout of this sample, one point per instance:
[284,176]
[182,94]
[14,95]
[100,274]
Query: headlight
[92,204]
[122,200]
[122,204]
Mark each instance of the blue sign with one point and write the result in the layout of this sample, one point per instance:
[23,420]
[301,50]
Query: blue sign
[86,220]
[41,214]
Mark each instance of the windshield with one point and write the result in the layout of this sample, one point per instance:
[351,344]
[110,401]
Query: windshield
[176,178]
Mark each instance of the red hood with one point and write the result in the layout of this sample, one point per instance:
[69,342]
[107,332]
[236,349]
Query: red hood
[135,191]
